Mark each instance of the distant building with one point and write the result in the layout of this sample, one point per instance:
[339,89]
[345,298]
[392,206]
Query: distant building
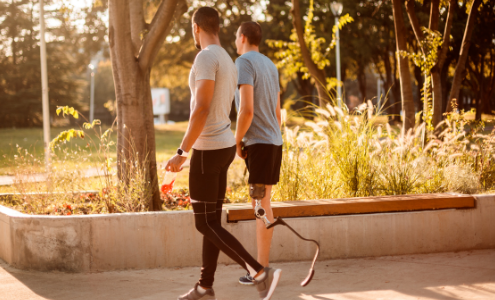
[161,104]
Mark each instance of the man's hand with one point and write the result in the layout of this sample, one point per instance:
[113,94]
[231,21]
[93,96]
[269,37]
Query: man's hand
[175,163]
[241,152]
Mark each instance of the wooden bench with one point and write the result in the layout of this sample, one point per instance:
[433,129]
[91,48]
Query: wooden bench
[362,205]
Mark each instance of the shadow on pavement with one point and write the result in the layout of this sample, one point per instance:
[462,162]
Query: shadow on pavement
[463,275]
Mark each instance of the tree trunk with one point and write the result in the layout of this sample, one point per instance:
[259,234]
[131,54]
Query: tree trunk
[405,75]
[461,63]
[445,86]
[305,88]
[361,76]
[418,75]
[479,102]
[132,57]
[436,80]
[460,101]
[395,108]
[436,76]
[487,90]
[317,74]
[387,82]
[436,87]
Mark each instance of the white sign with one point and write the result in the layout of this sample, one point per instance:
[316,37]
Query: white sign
[161,101]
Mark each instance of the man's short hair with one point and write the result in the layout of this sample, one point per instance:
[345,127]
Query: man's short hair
[207,19]
[251,30]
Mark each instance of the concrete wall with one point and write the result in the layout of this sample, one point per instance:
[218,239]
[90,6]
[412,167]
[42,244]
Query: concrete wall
[169,239]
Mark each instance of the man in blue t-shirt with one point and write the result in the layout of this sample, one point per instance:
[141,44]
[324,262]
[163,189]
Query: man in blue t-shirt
[258,136]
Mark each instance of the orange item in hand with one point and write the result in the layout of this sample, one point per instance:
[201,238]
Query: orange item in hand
[168,182]
[167,188]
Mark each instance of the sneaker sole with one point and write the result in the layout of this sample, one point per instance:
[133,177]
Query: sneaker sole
[206,299]
[276,278]
[246,283]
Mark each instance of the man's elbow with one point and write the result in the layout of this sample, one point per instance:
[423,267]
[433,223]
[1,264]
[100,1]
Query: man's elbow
[247,113]
[202,109]
[250,114]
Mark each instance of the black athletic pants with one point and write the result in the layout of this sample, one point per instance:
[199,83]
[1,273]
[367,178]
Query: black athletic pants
[207,186]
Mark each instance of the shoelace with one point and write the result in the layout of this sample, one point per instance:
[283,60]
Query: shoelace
[249,277]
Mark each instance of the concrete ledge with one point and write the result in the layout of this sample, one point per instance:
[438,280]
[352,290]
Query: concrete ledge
[169,239]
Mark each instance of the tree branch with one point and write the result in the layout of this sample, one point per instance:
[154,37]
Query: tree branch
[159,29]
[137,23]
[446,34]
[434,14]
[413,19]
[296,22]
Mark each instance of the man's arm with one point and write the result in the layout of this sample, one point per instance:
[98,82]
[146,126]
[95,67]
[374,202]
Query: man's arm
[203,95]
[245,116]
[279,116]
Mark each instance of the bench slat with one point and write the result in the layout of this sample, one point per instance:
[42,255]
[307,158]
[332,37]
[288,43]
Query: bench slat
[362,205]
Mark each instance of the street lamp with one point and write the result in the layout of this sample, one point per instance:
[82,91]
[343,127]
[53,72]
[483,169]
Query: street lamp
[44,88]
[336,8]
[92,94]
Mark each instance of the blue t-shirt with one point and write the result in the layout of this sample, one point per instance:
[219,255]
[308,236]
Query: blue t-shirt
[256,69]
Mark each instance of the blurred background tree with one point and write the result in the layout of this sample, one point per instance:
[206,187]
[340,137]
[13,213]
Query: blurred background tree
[77,32]
[68,49]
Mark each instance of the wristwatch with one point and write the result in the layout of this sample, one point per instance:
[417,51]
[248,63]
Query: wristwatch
[182,153]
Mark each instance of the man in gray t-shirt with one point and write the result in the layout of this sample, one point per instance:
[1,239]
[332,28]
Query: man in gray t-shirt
[213,82]
[258,137]
[214,63]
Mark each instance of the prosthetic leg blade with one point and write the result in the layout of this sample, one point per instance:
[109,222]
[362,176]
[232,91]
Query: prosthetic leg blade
[280,221]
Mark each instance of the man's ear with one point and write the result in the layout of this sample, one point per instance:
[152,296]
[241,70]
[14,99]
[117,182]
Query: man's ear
[196,28]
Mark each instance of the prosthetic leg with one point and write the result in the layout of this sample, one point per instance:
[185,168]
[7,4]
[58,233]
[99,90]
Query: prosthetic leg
[257,192]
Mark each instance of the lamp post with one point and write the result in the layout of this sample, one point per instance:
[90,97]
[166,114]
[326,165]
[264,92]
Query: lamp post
[44,88]
[336,8]
[92,94]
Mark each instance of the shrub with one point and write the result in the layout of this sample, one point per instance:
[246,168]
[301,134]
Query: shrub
[348,154]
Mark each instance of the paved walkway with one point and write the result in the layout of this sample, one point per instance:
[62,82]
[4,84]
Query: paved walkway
[463,275]
[40,177]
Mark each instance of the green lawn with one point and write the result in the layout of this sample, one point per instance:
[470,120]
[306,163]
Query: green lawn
[74,154]
[168,138]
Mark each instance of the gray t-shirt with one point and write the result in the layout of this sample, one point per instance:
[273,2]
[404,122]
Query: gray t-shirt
[256,69]
[214,63]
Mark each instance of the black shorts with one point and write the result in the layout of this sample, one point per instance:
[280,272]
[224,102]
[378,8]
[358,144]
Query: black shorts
[263,163]
[208,174]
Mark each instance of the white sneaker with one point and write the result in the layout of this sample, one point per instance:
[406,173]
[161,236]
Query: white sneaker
[193,294]
[267,286]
